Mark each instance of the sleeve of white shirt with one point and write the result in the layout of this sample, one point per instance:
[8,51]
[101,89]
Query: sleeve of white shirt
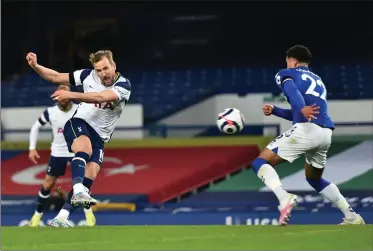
[77,78]
[123,90]
[34,132]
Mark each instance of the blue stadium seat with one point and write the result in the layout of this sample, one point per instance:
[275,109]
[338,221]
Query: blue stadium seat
[163,93]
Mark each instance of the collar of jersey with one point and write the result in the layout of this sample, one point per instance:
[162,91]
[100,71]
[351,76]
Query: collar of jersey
[302,67]
[117,76]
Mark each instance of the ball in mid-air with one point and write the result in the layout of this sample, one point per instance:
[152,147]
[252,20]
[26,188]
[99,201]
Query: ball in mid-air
[230,121]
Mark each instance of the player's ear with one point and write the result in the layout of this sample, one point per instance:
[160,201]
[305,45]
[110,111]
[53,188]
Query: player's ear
[296,63]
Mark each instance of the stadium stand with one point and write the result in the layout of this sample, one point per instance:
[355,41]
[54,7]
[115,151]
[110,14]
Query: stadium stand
[165,92]
[160,91]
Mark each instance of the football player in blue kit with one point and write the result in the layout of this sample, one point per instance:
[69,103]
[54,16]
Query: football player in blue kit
[310,136]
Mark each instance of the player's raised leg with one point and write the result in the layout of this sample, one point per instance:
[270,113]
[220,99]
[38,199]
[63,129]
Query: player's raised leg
[77,139]
[83,150]
[331,192]
[289,146]
[263,167]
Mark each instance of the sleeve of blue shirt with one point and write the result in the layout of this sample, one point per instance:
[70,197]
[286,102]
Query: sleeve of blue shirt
[282,113]
[296,99]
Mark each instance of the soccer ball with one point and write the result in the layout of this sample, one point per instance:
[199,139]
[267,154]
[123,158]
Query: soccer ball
[230,121]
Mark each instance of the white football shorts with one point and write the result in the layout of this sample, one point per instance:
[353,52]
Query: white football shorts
[306,139]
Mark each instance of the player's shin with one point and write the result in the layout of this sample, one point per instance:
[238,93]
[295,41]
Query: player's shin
[78,164]
[42,198]
[270,178]
[332,193]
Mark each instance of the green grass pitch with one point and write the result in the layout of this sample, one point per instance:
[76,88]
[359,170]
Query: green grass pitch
[293,237]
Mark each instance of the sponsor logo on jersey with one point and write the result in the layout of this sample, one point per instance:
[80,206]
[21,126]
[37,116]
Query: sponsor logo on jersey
[105,105]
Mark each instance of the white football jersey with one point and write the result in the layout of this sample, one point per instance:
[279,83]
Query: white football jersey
[57,119]
[102,117]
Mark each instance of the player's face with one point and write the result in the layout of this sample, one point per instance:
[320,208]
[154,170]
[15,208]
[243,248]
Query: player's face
[64,103]
[105,71]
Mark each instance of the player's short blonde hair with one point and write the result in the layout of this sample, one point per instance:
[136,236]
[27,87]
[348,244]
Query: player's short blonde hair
[98,55]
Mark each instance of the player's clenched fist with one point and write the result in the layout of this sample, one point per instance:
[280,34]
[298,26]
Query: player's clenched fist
[31,59]
[268,109]
[62,95]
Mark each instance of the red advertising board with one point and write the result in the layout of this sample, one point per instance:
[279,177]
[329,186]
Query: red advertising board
[161,173]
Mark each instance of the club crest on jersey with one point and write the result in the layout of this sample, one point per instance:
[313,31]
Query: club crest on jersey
[105,105]
[60,130]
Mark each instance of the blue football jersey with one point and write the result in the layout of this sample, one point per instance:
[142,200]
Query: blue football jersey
[313,91]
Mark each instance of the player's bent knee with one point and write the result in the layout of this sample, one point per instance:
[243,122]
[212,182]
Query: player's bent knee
[271,157]
[92,170]
[314,177]
[49,182]
[82,144]
[313,173]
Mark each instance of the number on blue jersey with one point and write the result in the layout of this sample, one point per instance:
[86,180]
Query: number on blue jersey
[311,89]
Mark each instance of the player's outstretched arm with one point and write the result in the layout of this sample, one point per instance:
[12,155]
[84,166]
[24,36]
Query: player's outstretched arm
[119,92]
[46,73]
[268,110]
[90,97]
[282,113]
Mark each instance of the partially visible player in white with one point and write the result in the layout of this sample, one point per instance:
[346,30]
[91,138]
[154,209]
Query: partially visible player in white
[56,116]
[106,93]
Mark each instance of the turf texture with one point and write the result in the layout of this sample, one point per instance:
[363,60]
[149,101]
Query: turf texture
[292,237]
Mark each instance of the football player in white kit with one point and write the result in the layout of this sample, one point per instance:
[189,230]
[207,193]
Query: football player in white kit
[56,116]
[106,93]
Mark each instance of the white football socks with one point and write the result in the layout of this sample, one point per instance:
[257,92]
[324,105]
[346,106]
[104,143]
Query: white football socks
[271,179]
[63,214]
[78,188]
[333,194]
